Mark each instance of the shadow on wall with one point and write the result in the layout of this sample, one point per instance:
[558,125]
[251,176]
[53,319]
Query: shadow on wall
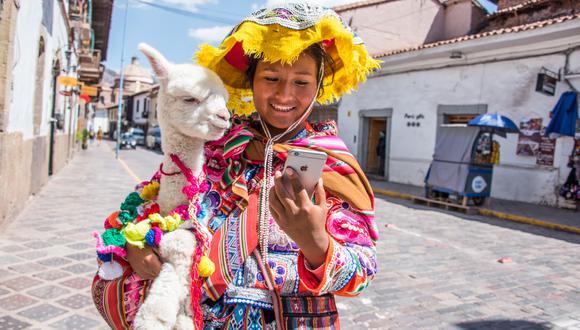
[503,324]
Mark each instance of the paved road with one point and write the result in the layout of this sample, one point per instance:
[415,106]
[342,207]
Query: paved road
[437,270]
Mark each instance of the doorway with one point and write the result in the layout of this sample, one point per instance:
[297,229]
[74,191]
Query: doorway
[377,149]
[374,142]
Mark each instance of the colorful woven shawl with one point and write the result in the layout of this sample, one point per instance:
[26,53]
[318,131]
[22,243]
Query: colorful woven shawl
[342,177]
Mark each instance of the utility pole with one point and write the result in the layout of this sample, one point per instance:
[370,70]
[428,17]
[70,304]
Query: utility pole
[120,107]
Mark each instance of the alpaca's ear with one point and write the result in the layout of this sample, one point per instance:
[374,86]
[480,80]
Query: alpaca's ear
[158,62]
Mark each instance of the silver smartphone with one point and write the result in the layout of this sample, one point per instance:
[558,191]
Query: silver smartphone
[308,164]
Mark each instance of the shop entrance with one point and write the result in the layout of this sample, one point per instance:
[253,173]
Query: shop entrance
[374,142]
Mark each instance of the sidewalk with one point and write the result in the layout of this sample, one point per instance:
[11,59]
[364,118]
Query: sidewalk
[47,254]
[533,214]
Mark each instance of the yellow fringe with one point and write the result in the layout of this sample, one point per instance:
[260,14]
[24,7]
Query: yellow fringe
[275,43]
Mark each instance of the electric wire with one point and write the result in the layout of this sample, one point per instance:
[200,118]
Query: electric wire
[188,13]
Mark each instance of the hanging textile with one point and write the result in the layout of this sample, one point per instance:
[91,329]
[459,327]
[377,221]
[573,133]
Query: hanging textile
[564,116]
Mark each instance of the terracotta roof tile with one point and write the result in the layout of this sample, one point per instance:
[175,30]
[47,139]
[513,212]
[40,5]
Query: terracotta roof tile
[513,29]
[518,7]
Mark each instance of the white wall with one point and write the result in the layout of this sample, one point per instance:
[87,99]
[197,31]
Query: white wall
[27,35]
[101,120]
[506,87]
[397,24]
[138,113]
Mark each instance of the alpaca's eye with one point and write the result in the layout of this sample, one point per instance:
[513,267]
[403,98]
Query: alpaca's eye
[191,100]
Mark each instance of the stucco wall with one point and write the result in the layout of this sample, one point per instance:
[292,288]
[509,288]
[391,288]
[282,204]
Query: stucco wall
[15,161]
[28,32]
[138,113]
[7,28]
[458,19]
[397,24]
[24,153]
[506,87]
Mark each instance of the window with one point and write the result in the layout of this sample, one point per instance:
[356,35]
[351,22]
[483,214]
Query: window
[458,119]
[146,108]
[137,107]
[458,114]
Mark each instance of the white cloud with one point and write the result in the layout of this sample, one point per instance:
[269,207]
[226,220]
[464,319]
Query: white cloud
[216,33]
[326,3]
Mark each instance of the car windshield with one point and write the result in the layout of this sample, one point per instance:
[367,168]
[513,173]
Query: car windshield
[126,135]
[138,132]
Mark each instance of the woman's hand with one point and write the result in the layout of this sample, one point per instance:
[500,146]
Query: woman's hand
[302,220]
[144,262]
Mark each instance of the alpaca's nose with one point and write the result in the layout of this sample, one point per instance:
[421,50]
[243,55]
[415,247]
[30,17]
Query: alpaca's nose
[224,114]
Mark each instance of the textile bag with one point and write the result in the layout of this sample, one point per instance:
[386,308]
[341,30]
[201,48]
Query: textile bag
[118,300]
[300,312]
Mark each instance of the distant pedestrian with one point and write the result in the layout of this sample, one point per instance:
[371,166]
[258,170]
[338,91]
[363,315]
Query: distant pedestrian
[99,135]
[92,135]
[381,151]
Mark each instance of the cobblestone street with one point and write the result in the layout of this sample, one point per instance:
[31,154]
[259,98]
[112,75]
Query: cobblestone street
[437,270]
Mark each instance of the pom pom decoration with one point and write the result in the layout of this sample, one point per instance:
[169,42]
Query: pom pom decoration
[206,267]
[110,270]
[149,191]
[113,220]
[135,233]
[113,237]
[168,223]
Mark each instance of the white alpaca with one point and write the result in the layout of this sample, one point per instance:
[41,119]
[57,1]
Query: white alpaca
[191,110]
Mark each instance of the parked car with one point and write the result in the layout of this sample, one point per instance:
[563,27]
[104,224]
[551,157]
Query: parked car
[139,136]
[128,141]
[153,138]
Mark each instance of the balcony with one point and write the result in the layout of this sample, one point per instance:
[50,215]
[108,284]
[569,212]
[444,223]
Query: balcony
[89,69]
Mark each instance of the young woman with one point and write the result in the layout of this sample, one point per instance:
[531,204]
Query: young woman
[267,234]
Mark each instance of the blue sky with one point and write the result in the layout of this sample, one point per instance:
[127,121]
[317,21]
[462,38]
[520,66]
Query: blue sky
[178,36]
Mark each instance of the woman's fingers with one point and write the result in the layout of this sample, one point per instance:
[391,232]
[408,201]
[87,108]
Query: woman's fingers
[300,193]
[320,194]
[283,193]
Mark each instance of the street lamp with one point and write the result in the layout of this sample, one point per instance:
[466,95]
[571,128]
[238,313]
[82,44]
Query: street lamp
[121,81]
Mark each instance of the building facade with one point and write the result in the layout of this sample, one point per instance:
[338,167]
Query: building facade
[48,54]
[421,88]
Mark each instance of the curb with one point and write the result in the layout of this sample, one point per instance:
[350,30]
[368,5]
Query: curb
[492,213]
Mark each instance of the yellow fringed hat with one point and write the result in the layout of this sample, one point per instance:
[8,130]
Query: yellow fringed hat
[280,34]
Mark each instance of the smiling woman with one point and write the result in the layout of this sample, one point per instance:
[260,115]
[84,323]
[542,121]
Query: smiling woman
[280,256]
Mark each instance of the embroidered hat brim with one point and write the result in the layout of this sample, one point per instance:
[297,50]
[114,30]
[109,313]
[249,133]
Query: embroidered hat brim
[280,34]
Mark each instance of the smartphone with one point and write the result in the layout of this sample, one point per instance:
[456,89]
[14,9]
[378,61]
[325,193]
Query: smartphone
[308,164]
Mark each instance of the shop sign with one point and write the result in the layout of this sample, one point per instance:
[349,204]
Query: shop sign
[547,81]
[67,81]
[478,184]
[89,90]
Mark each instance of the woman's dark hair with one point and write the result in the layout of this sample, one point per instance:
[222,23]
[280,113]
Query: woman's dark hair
[315,51]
